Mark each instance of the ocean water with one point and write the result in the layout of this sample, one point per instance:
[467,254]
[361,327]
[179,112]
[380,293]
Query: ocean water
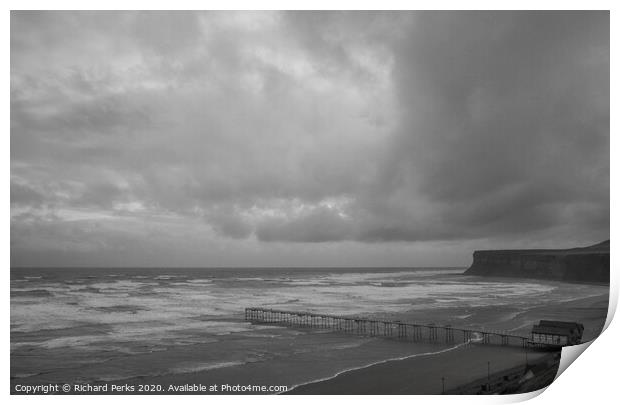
[92,325]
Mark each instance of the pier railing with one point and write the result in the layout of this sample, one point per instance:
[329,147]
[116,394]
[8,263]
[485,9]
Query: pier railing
[385,328]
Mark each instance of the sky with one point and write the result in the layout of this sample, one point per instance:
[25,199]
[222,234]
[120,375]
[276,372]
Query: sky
[214,139]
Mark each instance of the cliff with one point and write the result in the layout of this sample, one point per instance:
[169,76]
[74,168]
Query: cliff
[587,264]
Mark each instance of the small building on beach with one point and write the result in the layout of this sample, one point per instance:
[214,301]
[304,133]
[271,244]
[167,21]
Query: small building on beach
[557,333]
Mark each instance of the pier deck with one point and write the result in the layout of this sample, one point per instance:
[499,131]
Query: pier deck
[385,328]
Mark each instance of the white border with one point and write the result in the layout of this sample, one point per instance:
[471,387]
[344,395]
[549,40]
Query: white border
[593,376]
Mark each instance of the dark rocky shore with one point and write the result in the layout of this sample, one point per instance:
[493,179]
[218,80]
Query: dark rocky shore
[588,264]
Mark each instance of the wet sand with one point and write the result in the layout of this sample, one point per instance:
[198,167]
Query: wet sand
[422,375]
[302,367]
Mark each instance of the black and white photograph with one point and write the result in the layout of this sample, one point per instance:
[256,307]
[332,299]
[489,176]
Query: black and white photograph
[301,202]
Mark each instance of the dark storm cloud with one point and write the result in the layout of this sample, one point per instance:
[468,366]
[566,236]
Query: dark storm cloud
[186,135]
[507,127]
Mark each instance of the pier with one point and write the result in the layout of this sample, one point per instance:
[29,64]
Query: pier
[384,328]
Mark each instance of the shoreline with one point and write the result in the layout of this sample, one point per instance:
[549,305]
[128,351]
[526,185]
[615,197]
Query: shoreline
[424,375]
[353,369]
[498,277]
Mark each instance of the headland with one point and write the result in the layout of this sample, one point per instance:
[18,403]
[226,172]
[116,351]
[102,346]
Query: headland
[586,264]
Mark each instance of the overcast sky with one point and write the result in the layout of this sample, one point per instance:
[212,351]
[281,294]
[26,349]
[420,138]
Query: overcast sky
[305,139]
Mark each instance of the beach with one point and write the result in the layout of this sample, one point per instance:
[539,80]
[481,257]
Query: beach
[186,327]
[423,374]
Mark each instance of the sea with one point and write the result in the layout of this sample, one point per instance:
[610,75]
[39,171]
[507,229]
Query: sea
[88,325]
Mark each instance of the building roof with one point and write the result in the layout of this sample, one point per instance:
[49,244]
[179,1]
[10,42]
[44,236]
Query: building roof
[557,328]
[561,324]
[549,330]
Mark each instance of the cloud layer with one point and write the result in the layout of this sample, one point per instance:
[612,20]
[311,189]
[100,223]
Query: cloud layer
[220,138]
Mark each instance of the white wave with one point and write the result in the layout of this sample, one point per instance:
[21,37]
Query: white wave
[197,367]
[68,341]
[24,375]
[168,276]
[200,281]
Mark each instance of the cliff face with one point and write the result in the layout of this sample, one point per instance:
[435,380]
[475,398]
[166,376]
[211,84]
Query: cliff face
[589,264]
